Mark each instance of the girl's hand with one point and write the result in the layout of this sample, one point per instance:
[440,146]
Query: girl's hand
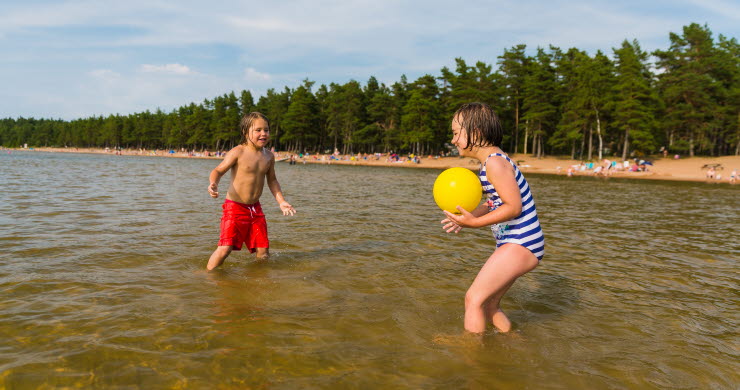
[464,219]
[451,226]
[286,208]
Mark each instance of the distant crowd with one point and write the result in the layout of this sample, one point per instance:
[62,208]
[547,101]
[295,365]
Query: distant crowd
[713,174]
[608,167]
[390,157]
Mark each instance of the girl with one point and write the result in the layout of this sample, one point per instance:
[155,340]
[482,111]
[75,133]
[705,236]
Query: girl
[509,210]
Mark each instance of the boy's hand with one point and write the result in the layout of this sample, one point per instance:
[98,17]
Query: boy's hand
[464,219]
[213,190]
[286,208]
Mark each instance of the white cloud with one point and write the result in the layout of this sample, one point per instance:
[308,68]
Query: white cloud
[168,68]
[252,75]
[48,48]
[111,92]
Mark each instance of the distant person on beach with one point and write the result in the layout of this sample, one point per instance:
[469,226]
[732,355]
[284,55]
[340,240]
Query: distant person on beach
[251,164]
[710,173]
[509,210]
[733,176]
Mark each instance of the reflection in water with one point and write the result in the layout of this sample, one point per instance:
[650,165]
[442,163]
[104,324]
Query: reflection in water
[103,283]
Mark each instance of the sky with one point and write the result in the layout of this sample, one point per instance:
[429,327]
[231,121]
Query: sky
[81,58]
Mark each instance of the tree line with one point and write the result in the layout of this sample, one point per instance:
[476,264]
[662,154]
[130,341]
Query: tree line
[560,102]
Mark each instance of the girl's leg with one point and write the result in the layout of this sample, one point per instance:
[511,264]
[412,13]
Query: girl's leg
[218,256]
[505,265]
[494,312]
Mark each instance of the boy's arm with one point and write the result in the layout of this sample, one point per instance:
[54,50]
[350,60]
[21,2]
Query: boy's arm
[274,186]
[220,170]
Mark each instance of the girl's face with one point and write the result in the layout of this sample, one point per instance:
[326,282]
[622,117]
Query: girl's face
[259,133]
[459,136]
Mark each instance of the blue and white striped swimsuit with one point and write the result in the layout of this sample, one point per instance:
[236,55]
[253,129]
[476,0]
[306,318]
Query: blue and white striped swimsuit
[525,229]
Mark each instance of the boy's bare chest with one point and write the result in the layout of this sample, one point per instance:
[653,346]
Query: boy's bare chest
[252,165]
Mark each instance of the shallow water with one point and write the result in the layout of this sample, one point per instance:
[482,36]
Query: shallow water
[102,283]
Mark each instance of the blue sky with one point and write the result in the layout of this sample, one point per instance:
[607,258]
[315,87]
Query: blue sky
[71,59]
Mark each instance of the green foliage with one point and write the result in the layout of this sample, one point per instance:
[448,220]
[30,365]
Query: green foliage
[275,105]
[635,100]
[301,120]
[550,102]
[696,84]
[513,65]
[419,120]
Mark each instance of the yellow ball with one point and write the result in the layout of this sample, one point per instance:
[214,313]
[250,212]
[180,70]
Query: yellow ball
[457,187]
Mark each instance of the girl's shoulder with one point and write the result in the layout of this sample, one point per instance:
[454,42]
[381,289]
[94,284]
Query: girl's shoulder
[498,164]
[499,159]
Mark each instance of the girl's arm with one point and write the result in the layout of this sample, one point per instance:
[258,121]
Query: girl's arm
[501,175]
[452,226]
[481,210]
[277,192]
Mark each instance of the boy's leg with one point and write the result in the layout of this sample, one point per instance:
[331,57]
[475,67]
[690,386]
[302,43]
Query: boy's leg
[505,265]
[262,253]
[258,235]
[218,256]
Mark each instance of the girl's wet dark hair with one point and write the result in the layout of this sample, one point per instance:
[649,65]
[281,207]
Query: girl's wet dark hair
[481,125]
[246,123]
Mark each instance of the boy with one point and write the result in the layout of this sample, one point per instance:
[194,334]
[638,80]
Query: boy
[250,164]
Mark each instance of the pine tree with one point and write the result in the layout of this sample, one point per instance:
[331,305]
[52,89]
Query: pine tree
[574,117]
[540,88]
[274,105]
[400,91]
[727,72]
[634,100]
[513,65]
[599,79]
[246,103]
[418,121]
[687,86]
[381,115]
[587,84]
[300,127]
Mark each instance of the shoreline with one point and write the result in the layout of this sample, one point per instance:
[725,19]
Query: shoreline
[683,169]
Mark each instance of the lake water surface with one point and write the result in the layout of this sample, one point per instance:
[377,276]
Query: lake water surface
[103,283]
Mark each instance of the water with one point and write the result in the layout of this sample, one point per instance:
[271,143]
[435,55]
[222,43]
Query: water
[102,283]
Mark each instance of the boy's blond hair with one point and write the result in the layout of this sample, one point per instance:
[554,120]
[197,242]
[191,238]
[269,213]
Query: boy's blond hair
[246,123]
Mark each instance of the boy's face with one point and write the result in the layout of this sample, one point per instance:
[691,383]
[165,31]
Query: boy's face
[459,136]
[259,133]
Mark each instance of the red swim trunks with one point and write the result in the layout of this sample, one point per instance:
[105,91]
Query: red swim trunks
[243,223]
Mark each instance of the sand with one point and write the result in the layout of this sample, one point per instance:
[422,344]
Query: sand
[683,169]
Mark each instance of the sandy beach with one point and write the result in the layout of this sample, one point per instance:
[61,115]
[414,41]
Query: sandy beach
[682,169]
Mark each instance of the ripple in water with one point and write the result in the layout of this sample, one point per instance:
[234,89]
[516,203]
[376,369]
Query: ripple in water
[103,283]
